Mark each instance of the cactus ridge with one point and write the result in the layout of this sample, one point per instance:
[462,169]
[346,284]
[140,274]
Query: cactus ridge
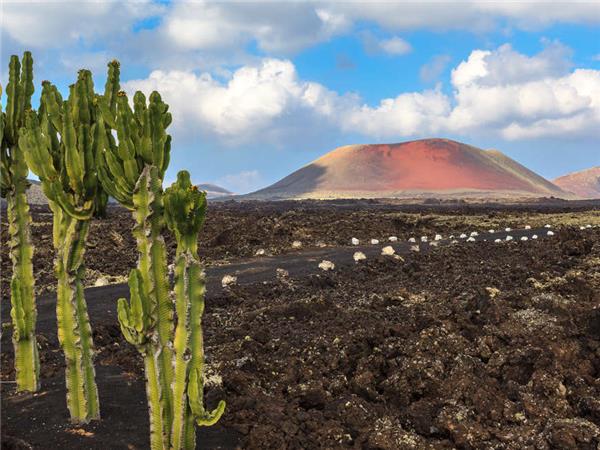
[13,187]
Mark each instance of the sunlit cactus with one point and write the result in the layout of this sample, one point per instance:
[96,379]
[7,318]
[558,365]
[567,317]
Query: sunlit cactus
[60,144]
[131,169]
[185,209]
[13,187]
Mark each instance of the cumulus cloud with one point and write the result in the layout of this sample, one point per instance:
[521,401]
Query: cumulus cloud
[261,100]
[498,92]
[53,24]
[208,33]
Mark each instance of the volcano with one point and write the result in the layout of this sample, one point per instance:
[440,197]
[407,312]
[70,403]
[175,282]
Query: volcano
[585,183]
[423,168]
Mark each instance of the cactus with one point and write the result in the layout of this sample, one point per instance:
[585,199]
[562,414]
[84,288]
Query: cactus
[13,187]
[185,209]
[60,145]
[132,171]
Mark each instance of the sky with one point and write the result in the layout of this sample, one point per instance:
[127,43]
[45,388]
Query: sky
[259,89]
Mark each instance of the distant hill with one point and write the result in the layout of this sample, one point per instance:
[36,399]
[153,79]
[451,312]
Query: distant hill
[423,168]
[35,195]
[214,191]
[585,183]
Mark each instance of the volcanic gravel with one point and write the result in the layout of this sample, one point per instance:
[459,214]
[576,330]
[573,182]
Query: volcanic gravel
[468,346]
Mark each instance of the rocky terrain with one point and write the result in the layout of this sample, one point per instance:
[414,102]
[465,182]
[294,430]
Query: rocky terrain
[472,345]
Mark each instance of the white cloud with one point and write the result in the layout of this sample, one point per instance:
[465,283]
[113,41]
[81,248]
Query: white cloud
[202,34]
[497,92]
[395,46]
[256,101]
[242,182]
[53,24]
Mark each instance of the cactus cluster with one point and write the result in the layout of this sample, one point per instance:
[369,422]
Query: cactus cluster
[132,168]
[13,187]
[60,143]
[71,146]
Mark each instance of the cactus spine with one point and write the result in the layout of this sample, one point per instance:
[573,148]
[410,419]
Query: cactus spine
[132,172]
[185,209]
[13,186]
[60,145]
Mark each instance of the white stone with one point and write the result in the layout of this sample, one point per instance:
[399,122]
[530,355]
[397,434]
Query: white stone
[588,226]
[388,251]
[282,273]
[528,227]
[260,252]
[550,233]
[228,280]
[359,256]
[524,238]
[491,231]
[374,241]
[535,236]
[471,239]
[434,244]
[415,248]
[497,241]
[438,237]
[463,236]
[474,233]
[509,238]
[507,229]
[393,239]
[547,226]
[296,244]
[423,238]
[412,240]
[102,281]
[354,241]
[326,265]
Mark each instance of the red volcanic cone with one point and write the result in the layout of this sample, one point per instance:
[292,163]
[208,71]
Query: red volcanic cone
[426,167]
[585,183]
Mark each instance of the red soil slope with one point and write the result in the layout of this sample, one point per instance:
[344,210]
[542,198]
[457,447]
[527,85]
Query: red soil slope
[429,166]
[585,183]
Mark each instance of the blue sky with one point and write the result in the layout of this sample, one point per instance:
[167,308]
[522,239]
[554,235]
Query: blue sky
[259,89]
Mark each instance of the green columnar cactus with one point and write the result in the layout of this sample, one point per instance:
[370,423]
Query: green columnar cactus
[185,209]
[13,187]
[60,146]
[132,171]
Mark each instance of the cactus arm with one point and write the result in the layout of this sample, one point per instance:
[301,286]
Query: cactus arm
[196,376]
[181,351]
[13,186]
[23,311]
[74,329]
[185,209]
[12,99]
[112,86]
[147,200]
[26,81]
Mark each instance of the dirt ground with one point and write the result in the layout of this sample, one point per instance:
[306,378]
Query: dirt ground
[468,346]
[234,230]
